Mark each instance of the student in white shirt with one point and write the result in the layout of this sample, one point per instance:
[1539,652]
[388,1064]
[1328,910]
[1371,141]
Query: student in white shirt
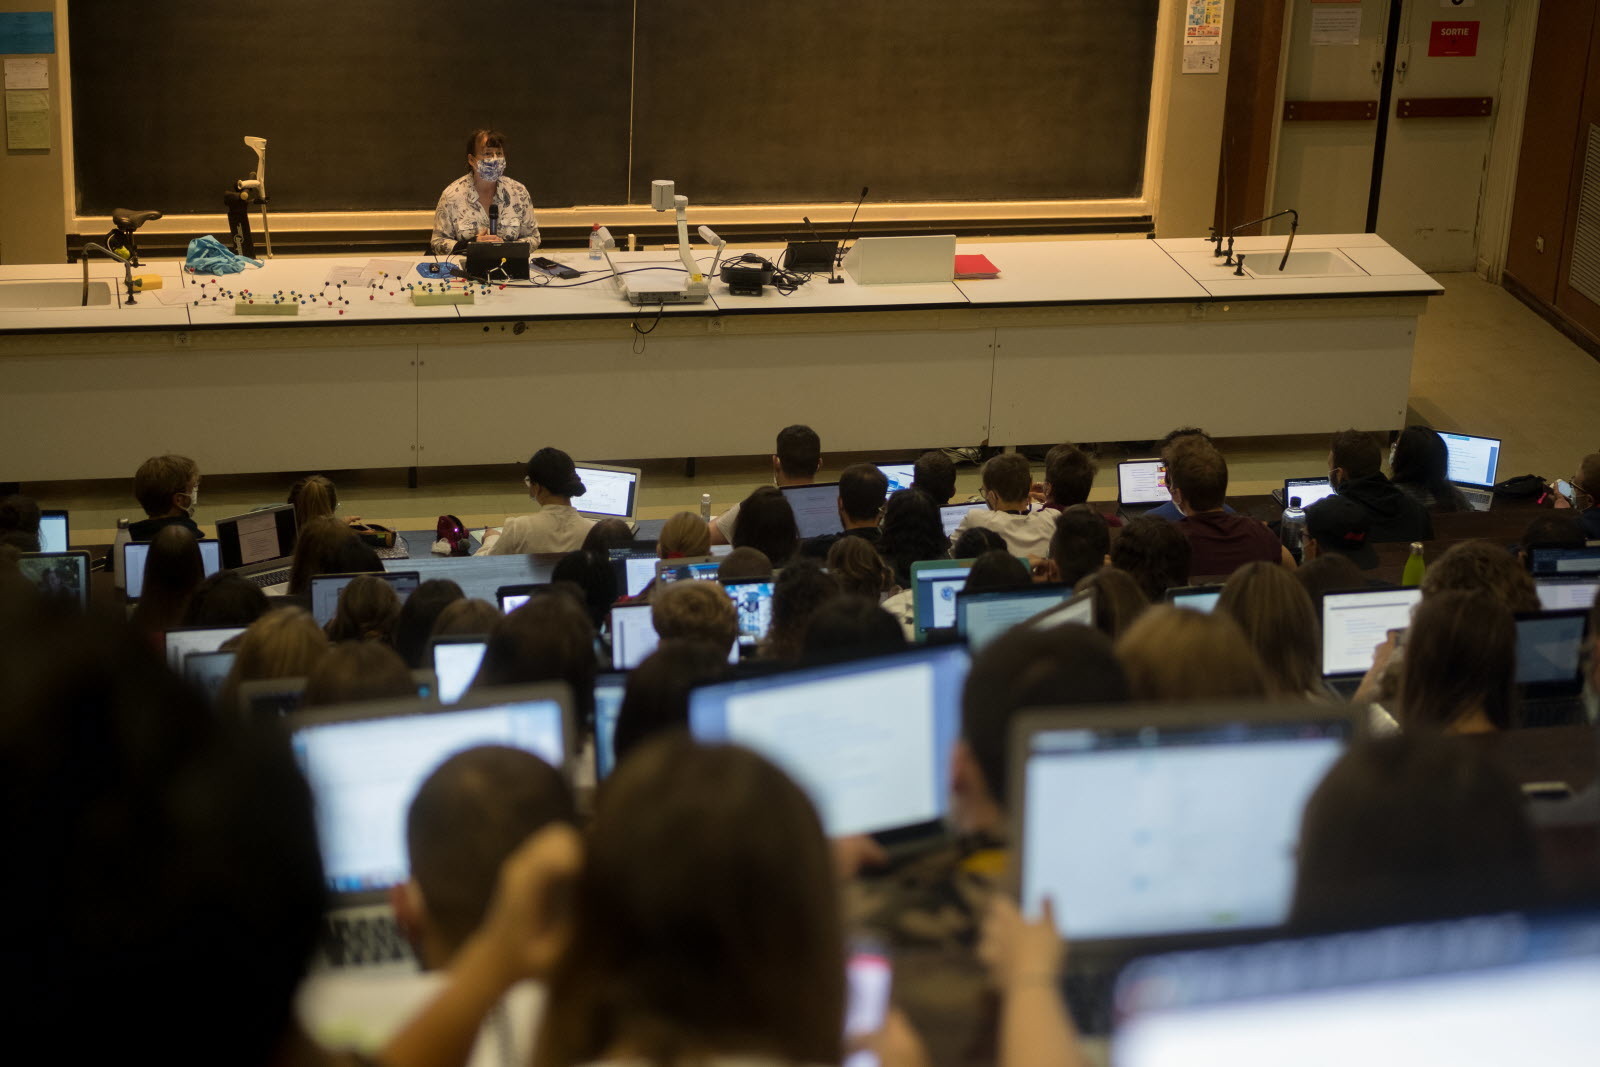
[1006,484]
[795,460]
[552,481]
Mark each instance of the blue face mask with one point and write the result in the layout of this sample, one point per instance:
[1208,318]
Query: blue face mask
[490,170]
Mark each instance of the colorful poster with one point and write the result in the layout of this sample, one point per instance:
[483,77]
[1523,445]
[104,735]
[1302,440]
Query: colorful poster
[1202,37]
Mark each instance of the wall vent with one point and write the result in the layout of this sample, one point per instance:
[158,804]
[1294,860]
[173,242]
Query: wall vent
[1584,274]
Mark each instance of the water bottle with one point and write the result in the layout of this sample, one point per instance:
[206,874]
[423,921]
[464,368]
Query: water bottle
[1293,527]
[705,506]
[122,538]
[1416,566]
[596,243]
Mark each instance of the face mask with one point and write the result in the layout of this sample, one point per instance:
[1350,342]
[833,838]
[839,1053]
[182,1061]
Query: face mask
[194,500]
[491,169]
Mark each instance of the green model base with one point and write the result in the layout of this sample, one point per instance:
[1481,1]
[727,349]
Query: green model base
[449,296]
[244,307]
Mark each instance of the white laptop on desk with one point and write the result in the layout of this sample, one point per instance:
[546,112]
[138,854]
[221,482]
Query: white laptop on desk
[259,545]
[1474,466]
[609,493]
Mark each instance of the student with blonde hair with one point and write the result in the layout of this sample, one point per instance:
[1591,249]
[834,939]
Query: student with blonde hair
[284,643]
[1274,611]
[684,535]
[1176,656]
[697,611]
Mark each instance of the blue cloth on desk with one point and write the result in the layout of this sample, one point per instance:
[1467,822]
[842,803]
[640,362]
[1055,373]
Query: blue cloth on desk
[207,255]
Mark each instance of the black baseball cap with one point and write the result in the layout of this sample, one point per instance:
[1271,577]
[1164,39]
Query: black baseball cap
[554,469]
[1338,524]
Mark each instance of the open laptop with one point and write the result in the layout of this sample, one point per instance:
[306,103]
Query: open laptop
[816,508]
[58,574]
[869,740]
[1309,490]
[207,671]
[1079,610]
[1201,598]
[634,637]
[136,553]
[511,597]
[752,599]
[982,617]
[1474,466]
[934,585]
[55,534]
[1564,562]
[1153,826]
[950,515]
[688,568]
[634,568]
[271,698]
[609,689]
[455,659]
[259,545]
[364,763]
[609,493]
[1353,626]
[497,260]
[1550,666]
[900,475]
[480,577]
[182,640]
[326,589]
[1481,991]
[1141,487]
[1577,591]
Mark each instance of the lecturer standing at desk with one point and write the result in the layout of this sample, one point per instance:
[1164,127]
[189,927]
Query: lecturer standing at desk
[483,204]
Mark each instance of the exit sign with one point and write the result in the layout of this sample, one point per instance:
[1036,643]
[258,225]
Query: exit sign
[1453,39]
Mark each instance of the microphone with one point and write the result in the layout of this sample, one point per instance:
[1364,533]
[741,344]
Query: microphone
[851,225]
[494,219]
[815,236]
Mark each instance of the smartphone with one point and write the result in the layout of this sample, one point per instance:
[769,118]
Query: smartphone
[551,267]
[869,981]
[1564,487]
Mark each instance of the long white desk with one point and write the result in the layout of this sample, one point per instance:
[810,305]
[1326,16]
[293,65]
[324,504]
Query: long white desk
[1077,340]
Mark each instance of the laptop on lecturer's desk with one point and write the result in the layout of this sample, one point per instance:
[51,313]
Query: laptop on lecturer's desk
[259,546]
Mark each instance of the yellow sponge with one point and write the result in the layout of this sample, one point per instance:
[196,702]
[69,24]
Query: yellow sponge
[142,282]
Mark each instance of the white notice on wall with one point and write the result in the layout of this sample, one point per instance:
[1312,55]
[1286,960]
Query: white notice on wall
[27,74]
[1202,37]
[1340,25]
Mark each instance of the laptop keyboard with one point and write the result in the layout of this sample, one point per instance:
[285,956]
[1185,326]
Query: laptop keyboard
[268,578]
[363,941]
[1480,499]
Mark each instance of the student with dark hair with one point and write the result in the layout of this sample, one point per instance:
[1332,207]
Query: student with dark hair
[656,698]
[850,627]
[462,216]
[1164,447]
[1355,471]
[1336,526]
[1080,545]
[1408,829]
[766,523]
[1480,566]
[934,474]
[552,481]
[607,534]
[1421,465]
[859,570]
[225,599]
[354,671]
[912,533]
[1277,617]
[996,570]
[1068,476]
[795,459]
[19,516]
[1007,482]
[173,570]
[591,572]
[167,488]
[548,639]
[1154,553]
[466,617]
[862,491]
[1551,529]
[1459,674]
[368,610]
[328,546]
[799,591]
[1586,493]
[970,544]
[1328,573]
[699,611]
[417,616]
[742,563]
[1118,600]
[1174,656]
[1219,543]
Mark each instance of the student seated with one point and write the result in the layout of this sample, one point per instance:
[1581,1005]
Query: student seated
[417,617]
[795,460]
[1337,526]
[1482,567]
[1182,435]
[743,563]
[354,671]
[591,573]
[1459,674]
[656,697]
[1219,543]
[1329,573]
[684,536]
[1080,545]
[19,522]
[315,497]
[935,474]
[796,595]
[548,639]
[1586,490]
[1068,477]
[912,533]
[552,482]
[1276,615]
[970,544]
[996,570]
[225,599]
[167,488]
[1006,482]
[765,522]
[1176,656]
[173,570]
[607,534]
[698,611]
[1118,600]
[1355,470]
[1420,463]
[284,643]
[849,627]
[862,492]
[368,610]
[1551,529]
[859,570]
[328,546]
[1155,554]
[466,617]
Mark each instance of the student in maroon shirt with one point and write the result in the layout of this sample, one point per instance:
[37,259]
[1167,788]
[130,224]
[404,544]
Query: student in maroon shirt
[1220,543]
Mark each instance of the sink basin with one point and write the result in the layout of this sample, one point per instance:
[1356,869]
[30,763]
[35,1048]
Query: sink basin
[62,294]
[1312,263]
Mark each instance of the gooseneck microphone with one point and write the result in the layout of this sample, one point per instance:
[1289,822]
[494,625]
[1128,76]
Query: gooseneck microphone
[494,219]
[851,225]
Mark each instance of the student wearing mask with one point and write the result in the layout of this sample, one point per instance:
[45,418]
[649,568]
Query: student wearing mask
[552,481]
[167,488]
[1182,434]
[1355,471]
[1006,485]
[463,217]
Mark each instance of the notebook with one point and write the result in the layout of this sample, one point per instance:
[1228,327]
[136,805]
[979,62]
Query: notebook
[1474,466]
[900,475]
[455,659]
[1079,609]
[950,515]
[816,508]
[753,602]
[868,739]
[609,689]
[207,671]
[1550,673]
[982,617]
[1567,592]
[58,574]
[182,640]
[259,545]
[327,588]
[934,585]
[1201,598]
[1354,625]
[974,265]
[364,763]
[609,493]
[136,553]
[1141,486]
[54,533]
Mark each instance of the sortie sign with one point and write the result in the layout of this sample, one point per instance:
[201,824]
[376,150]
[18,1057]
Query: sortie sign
[1453,39]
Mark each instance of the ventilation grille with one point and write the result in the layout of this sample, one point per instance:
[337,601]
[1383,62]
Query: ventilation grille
[1584,275]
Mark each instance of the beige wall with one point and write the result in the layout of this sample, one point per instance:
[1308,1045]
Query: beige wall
[36,208]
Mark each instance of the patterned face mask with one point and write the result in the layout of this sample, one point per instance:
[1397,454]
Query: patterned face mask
[490,170]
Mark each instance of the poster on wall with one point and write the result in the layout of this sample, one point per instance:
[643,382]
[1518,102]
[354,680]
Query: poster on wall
[1457,39]
[1202,37]
[1335,26]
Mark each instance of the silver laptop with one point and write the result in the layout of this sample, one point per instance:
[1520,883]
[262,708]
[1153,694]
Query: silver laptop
[259,545]
[609,493]
[1474,466]
[364,763]
[135,554]
[950,515]
[1353,626]
[1141,486]
[326,589]
[816,508]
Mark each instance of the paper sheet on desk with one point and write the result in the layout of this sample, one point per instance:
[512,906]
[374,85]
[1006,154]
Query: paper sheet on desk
[394,268]
[177,295]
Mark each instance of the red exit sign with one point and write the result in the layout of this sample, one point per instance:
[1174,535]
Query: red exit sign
[1453,39]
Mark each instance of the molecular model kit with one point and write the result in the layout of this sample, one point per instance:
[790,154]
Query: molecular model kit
[341,297]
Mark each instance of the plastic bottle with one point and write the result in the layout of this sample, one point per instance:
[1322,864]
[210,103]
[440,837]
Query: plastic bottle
[596,243]
[705,506]
[122,538]
[1416,566]
[1293,527]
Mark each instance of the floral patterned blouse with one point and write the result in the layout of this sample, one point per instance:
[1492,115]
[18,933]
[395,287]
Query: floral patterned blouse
[460,216]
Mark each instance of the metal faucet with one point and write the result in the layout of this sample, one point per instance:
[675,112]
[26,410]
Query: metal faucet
[127,269]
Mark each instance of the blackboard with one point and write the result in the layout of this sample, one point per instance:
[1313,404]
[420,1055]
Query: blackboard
[366,103]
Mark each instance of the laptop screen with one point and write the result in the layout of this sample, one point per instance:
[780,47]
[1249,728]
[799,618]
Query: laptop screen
[257,537]
[934,588]
[677,570]
[982,617]
[1142,481]
[206,671]
[1355,624]
[1192,827]
[1566,592]
[633,636]
[900,475]
[327,588]
[1547,562]
[455,665]
[609,690]
[363,773]
[607,491]
[1201,598]
[1475,992]
[480,577]
[53,535]
[183,640]
[58,574]
[816,508]
[637,572]
[1473,460]
[1550,647]
[868,740]
[1309,490]
[950,515]
[1080,609]
[136,553]
[753,602]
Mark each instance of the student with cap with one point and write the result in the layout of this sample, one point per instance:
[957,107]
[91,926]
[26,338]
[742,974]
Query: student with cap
[552,481]
[1337,526]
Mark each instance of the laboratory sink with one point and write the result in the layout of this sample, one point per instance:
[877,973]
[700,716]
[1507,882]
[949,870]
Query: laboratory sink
[62,294]
[1312,263]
